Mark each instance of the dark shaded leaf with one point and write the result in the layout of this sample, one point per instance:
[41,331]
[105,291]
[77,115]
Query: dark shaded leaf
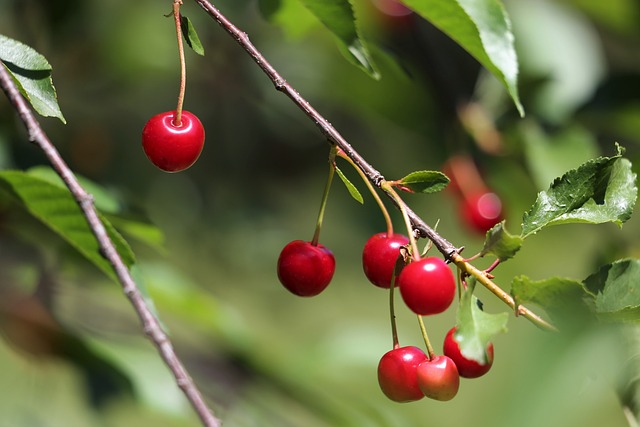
[617,289]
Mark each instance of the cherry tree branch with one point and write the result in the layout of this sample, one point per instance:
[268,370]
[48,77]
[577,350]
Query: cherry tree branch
[421,228]
[150,323]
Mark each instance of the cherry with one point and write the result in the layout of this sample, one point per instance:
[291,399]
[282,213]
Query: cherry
[427,286]
[397,373]
[467,368]
[379,257]
[438,378]
[173,148]
[305,269]
[482,210]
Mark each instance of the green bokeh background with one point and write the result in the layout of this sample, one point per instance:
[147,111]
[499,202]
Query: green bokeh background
[262,356]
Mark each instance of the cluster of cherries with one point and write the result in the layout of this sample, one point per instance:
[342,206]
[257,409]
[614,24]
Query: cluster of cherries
[427,286]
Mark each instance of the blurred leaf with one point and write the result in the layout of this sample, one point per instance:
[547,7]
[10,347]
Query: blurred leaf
[32,73]
[290,15]
[600,190]
[425,181]
[483,29]
[352,188]
[268,8]
[475,327]
[617,289]
[563,299]
[57,209]
[549,156]
[190,35]
[103,199]
[338,16]
[501,243]
[141,231]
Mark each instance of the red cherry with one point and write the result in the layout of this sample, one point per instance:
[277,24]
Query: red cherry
[427,286]
[305,269]
[379,257]
[438,378]
[467,368]
[481,211]
[397,374]
[173,148]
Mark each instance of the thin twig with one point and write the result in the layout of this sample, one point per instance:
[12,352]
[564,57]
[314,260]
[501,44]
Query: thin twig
[448,250]
[150,323]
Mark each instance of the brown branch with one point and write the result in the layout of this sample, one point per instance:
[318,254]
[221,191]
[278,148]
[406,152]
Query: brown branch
[150,323]
[421,228]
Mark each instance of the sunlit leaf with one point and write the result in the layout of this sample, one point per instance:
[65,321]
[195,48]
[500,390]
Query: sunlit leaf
[617,289]
[425,181]
[563,299]
[32,73]
[601,190]
[338,17]
[190,35]
[55,207]
[501,243]
[482,28]
[350,187]
[475,327]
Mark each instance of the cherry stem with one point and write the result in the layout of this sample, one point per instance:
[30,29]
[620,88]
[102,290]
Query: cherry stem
[374,193]
[392,312]
[403,210]
[430,353]
[177,120]
[325,195]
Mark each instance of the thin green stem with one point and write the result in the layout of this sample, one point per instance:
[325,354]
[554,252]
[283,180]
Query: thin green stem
[427,343]
[177,120]
[392,313]
[415,256]
[325,195]
[374,193]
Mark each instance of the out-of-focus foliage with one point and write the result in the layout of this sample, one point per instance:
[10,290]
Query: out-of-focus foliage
[262,356]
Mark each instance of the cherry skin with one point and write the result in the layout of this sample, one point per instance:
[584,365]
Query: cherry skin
[467,368]
[397,374]
[427,286]
[379,257]
[305,269]
[438,378]
[173,148]
[482,210]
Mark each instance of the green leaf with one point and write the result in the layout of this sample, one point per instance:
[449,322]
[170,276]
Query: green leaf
[482,28]
[102,198]
[475,328]
[269,8]
[501,243]
[32,73]
[55,207]
[190,35]
[425,181]
[617,289]
[352,188]
[601,190]
[338,17]
[563,299]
